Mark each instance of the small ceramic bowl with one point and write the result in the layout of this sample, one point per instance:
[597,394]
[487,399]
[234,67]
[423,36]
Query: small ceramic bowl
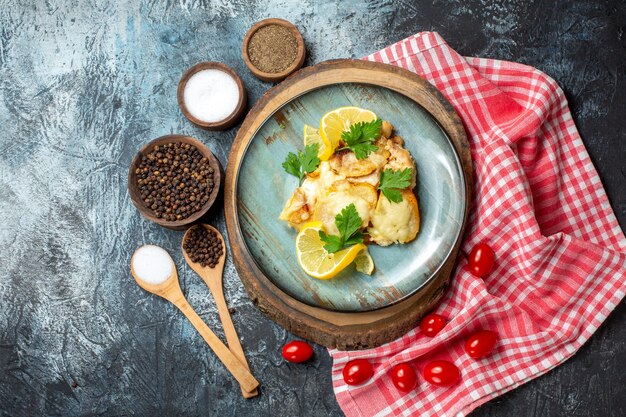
[135,195]
[274,76]
[230,120]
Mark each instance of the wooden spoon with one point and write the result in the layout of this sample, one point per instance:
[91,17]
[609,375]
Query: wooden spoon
[170,290]
[213,279]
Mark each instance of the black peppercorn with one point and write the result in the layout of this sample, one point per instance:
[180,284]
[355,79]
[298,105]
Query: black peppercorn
[172,180]
[203,246]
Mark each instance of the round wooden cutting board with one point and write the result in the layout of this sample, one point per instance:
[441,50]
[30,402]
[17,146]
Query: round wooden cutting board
[352,310]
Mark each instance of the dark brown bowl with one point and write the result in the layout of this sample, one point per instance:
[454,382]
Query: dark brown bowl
[135,195]
[274,76]
[229,121]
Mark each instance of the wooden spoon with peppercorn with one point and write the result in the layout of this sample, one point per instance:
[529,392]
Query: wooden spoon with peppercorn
[204,251]
[171,291]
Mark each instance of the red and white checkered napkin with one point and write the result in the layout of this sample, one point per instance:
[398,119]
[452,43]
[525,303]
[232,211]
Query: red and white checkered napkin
[538,201]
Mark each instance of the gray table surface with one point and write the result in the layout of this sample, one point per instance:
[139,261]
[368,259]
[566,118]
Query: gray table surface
[84,84]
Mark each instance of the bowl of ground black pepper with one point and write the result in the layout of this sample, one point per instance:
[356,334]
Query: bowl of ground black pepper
[174,181]
[273,49]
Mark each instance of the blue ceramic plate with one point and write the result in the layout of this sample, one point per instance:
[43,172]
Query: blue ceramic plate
[263,187]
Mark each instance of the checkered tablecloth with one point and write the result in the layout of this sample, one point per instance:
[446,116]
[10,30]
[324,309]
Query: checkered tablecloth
[538,201]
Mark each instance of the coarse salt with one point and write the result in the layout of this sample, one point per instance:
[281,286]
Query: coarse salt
[211,95]
[152,264]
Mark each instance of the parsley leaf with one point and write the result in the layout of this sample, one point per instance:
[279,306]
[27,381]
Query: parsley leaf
[348,222]
[332,243]
[304,162]
[309,159]
[391,182]
[292,164]
[361,136]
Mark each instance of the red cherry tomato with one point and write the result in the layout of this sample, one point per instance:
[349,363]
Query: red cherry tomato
[357,371]
[297,351]
[481,344]
[441,373]
[432,324]
[404,377]
[481,259]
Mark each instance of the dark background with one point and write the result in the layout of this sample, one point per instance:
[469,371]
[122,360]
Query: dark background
[84,84]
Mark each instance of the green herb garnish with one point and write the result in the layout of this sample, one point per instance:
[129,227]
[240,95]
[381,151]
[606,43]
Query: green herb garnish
[391,182]
[349,224]
[304,162]
[361,136]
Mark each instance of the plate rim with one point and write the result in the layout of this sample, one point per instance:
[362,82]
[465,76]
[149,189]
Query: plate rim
[270,298]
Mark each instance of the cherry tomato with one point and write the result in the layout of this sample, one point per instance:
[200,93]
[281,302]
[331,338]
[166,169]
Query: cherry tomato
[297,351]
[441,373]
[481,344]
[481,259]
[357,371]
[404,377]
[432,324]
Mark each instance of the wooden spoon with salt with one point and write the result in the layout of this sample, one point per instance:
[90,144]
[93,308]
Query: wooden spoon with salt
[171,291]
[213,279]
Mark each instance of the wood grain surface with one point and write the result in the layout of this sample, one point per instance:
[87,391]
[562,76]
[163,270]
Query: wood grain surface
[335,329]
[212,277]
[171,291]
[83,85]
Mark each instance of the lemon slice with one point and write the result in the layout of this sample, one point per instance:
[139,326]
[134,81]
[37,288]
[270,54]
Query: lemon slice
[335,122]
[312,136]
[364,262]
[315,260]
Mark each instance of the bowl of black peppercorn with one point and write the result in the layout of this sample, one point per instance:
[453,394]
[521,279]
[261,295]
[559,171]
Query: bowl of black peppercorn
[174,181]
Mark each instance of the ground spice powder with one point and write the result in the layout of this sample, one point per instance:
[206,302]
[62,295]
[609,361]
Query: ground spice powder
[272,48]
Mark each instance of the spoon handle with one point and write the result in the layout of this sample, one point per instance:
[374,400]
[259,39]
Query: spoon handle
[232,338]
[237,369]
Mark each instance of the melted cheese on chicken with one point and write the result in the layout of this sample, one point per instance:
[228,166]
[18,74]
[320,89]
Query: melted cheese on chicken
[341,195]
[345,180]
[318,185]
[296,210]
[395,222]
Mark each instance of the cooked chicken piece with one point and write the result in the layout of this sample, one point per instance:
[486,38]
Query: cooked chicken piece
[381,143]
[397,140]
[400,159]
[364,191]
[345,163]
[317,186]
[296,211]
[395,222]
[386,129]
[372,179]
[312,188]
[348,166]
[379,157]
[342,194]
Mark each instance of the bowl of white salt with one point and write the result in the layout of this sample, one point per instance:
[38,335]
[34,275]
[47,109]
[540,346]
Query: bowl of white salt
[211,95]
